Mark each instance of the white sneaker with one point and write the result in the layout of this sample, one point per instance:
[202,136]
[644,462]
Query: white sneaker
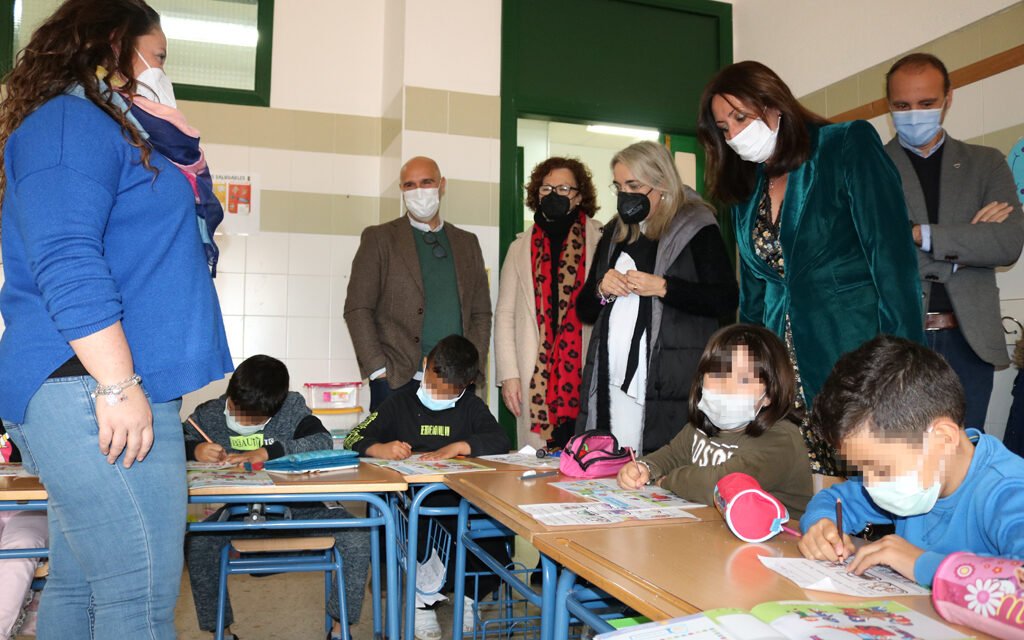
[427,627]
[468,615]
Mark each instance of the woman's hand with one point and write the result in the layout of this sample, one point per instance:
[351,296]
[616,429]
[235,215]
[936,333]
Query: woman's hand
[125,427]
[613,284]
[646,284]
[512,394]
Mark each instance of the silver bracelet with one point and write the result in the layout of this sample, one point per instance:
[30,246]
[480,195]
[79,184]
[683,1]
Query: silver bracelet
[114,393]
[650,472]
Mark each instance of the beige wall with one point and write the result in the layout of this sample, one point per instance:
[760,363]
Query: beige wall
[357,88]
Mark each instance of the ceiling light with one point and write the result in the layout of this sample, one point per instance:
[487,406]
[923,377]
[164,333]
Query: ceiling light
[627,132]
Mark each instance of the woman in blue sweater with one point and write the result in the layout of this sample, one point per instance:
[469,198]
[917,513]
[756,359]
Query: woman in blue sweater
[111,316]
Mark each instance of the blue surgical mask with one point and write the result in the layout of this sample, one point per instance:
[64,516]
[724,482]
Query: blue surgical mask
[433,403]
[242,430]
[917,127]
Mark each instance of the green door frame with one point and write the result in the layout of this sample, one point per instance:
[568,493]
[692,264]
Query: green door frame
[562,109]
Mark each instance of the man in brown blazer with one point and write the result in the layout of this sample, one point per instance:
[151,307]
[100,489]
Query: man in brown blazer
[414,281]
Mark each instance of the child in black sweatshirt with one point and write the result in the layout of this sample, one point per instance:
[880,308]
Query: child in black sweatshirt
[441,419]
[259,419]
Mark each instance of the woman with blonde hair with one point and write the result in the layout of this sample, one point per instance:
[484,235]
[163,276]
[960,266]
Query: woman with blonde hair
[658,285]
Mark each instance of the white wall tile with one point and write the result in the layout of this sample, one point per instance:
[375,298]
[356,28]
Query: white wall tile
[965,118]
[348,371]
[232,254]
[309,254]
[226,158]
[1003,95]
[339,289]
[460,37]
[273,166]
[341,341]
[303,370]
[192,400]
[234,326]
[313,172]
[266,253]
[343,252]
[231,292]
[309,338]
[460,157]
[355,175]
[309,296]
[266,295]
[265,335]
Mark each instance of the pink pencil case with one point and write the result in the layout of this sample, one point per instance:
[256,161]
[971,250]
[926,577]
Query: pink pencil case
[983,593]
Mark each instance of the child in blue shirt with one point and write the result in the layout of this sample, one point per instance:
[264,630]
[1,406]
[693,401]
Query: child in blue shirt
[895,409]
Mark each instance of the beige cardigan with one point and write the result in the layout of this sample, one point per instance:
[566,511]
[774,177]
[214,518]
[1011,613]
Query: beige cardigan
[516,335]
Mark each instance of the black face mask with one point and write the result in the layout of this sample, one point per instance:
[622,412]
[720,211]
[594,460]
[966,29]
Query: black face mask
[555,206]
[634,207]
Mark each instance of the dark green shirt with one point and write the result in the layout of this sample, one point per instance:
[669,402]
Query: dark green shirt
[442,313]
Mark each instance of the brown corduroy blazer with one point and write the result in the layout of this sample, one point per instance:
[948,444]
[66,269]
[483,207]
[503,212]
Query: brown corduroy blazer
[384,304]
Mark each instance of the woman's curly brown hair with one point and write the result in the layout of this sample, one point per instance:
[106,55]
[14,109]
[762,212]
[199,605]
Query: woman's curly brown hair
[584,181]
[66,50]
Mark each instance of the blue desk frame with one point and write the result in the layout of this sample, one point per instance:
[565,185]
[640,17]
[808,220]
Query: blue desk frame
[374,502]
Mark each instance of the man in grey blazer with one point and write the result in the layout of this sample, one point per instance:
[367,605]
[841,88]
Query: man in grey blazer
[966,221]
[414,281]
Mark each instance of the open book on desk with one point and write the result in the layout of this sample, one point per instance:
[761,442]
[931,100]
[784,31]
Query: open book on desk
[795,620]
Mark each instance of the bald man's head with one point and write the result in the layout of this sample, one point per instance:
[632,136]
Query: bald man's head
[421,173]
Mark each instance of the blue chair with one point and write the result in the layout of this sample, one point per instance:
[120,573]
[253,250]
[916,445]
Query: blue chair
[284,555]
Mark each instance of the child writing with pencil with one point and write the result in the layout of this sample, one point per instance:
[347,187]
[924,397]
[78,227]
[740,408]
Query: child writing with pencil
[259,419]
[895,411]
[740,421]
[441,419]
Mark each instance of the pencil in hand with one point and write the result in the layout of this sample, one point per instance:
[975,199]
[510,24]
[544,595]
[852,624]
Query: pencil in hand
[839,525]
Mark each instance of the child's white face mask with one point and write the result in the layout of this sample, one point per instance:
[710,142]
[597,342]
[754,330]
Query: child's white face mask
[242,430]
[729,411]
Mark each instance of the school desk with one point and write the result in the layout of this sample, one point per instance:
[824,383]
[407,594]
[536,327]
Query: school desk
[411,506]
[498,495]
[365,484]
[665,572]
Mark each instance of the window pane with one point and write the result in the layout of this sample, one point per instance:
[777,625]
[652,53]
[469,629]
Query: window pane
[210,43]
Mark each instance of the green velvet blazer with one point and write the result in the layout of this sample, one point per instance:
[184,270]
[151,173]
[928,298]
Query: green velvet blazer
[851,263]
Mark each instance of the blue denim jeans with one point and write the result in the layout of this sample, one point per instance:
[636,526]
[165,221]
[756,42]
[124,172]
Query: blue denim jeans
[116,534]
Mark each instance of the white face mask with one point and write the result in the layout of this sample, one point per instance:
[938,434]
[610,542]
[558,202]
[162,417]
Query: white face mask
[756,143]
[154,84]
[906,495]
[242,430]
[729,411]
[422,204]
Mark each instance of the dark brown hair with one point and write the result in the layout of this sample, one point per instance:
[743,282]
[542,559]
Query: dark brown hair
[66,50]
[771,364]
[728,178]
[890,386]
[580,172]
[918,61]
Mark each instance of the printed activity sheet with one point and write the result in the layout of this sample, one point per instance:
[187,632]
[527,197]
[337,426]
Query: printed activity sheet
[820,575]
[15,469]
[226,478]
[607,490]
[524,460]
[560,514]
[414,465]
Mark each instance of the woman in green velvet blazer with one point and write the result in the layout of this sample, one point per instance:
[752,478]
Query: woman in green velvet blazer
[827,260]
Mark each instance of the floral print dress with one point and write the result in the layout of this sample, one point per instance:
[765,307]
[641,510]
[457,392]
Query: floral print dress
[768,247]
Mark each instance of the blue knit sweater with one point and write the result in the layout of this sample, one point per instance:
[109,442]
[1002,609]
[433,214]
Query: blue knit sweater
[91,237]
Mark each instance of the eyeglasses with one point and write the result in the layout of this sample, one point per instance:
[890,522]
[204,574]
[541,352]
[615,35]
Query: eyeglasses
[562,189]
[435,246]
[630,186]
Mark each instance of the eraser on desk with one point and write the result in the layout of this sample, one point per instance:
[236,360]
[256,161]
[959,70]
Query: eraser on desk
[253,466]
